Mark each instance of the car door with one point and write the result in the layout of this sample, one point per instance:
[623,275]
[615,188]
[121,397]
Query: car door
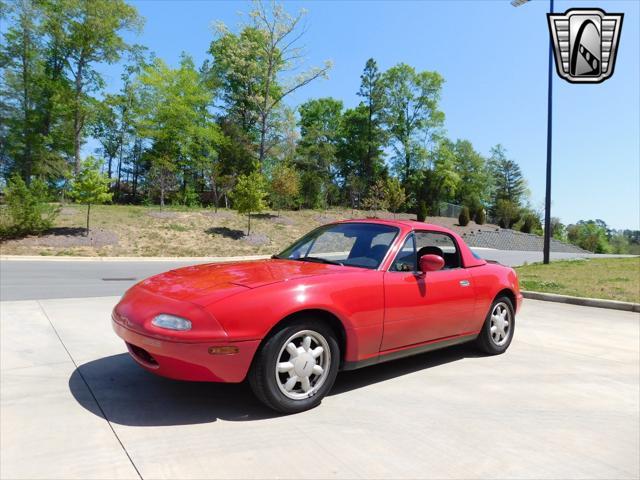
[423,307]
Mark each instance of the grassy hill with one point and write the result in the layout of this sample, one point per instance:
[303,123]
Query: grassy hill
[123,230]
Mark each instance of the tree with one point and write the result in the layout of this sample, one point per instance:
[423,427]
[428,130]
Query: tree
[507,213]
[249,194]
[285,186]
[509,183]
[395,195]
[319,129]
[34,135]
[174,116]
[590,235]
[558,229]
[90,33]
[90,186]
[372,93]
[253,64]
[377,197]
[474,188]
[410,115]
[441,181]
[28,207]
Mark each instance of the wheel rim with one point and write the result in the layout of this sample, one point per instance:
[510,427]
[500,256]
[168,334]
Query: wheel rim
[302,366]
[501,323]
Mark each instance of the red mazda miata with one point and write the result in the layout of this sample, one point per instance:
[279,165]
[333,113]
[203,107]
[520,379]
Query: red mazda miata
[346,295]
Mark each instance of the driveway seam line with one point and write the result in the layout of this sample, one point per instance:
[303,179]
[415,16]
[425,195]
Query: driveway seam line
[95,399]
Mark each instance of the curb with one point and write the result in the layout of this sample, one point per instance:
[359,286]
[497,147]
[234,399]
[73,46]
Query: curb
[36,258]
[585,302]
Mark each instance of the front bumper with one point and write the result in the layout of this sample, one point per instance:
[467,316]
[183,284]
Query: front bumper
[188,361]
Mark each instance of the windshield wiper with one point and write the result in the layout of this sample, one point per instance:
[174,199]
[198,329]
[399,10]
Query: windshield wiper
[319,260]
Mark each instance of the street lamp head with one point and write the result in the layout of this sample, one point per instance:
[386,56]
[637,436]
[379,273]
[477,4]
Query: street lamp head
[517,3]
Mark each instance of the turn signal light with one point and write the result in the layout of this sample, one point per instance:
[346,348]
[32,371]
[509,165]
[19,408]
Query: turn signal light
[228,350]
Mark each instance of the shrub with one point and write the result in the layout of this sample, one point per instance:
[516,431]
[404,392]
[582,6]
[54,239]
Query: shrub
[285,187]
[464,217]
[480,217]
[248,195]
[90,186]
[377,198]
[422,211]
[28,207]
[396,195]
[507,213]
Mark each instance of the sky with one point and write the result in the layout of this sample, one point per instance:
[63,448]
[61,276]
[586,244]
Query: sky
[494,59]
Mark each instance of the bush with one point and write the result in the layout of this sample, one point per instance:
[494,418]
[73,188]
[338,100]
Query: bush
[248,195]
[422,211]
[507,212]
[464,217]
[480,216]
[28,208]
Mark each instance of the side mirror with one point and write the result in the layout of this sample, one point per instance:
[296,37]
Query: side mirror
[431,263]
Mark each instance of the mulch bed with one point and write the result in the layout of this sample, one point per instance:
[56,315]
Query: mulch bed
[66,237]
[256,239]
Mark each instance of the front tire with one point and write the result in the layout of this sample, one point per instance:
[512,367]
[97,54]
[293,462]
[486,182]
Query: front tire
[497,331]
[296,367]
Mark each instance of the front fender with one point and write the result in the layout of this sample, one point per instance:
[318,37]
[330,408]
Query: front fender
[355,299]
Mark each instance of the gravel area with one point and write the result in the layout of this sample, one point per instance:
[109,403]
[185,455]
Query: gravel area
[65,237]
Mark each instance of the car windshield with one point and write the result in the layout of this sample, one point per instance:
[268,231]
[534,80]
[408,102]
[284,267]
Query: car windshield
[351,244]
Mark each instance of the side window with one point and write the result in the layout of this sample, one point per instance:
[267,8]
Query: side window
[405,260]
[438,244]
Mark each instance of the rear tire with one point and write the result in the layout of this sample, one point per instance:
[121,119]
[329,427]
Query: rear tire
[296,367]
[497,331]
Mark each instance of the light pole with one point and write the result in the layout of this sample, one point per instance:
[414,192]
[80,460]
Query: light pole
[547,198]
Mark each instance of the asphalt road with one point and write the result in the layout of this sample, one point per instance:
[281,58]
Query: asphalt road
[563,402]
[39,279]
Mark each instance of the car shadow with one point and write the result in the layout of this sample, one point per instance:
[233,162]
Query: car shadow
[126,394]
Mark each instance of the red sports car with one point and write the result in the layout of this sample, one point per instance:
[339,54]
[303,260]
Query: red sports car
[344,296]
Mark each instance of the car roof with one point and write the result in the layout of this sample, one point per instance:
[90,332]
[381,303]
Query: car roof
[403,224]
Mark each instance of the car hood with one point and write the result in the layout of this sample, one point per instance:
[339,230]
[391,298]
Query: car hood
[208,283]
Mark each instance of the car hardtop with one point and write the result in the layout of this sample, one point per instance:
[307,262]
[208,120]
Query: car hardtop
[403,225]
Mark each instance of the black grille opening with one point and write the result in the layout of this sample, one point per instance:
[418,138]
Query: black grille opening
[142,354]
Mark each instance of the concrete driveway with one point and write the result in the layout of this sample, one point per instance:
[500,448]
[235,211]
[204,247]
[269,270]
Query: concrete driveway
[563,402]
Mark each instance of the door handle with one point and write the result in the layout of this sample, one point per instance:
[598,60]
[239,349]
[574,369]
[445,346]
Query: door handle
[464,283]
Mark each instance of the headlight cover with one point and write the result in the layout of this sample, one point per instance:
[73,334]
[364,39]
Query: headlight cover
[171,322]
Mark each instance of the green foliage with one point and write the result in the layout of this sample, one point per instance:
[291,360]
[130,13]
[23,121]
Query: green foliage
[558,229]
[530,222]
[422,211]
[28,209]
[90,186]
[509,183]
[590,235]
[395,194]
[249,66]
[464,217]
[377,198]
[480,216]
[619,244]
[507,213]
[249,195]
[285,186]
[474,188]
[189,197]
[311,190]
[410,115]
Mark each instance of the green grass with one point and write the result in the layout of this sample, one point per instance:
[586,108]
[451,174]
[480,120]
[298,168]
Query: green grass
[610,278]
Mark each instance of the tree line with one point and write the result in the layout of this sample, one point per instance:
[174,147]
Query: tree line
[224,133]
